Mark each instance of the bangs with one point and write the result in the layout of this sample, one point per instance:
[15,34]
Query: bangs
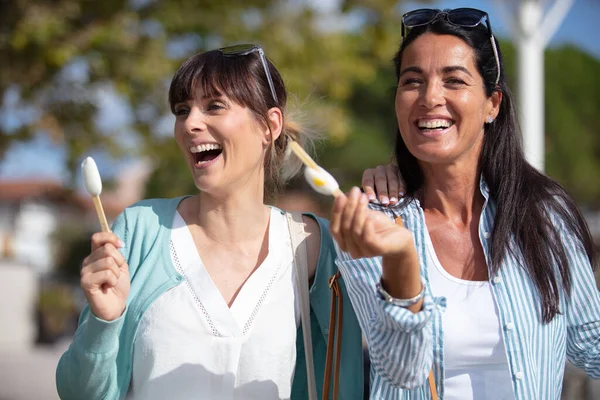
[215,75]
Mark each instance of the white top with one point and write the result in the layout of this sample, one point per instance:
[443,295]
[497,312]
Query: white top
[475,362]
[191,345]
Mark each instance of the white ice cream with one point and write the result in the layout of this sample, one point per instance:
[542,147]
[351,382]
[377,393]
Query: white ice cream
[321,181]
[91,177]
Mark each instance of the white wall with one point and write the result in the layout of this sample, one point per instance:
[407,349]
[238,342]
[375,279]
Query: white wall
[34,226]
[18,299]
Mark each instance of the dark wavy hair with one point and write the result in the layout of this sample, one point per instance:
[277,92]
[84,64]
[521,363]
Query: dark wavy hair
[243,80]
[525,198]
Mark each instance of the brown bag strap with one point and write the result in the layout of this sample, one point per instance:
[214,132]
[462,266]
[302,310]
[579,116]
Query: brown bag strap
[336,317]
[297,237]
[431,378]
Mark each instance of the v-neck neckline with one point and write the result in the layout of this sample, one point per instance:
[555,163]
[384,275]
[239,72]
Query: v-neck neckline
[237,319]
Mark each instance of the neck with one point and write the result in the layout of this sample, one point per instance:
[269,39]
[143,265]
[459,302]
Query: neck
[452,191]
[237,216]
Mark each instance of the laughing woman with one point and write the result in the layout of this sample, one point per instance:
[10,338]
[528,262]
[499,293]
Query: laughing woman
[505,290]
[195,297]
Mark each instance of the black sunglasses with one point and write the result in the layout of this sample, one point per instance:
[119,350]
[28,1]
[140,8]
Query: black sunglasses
[244,50]
[464,17]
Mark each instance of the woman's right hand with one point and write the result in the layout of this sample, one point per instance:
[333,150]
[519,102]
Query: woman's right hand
[105,277]
[366,233]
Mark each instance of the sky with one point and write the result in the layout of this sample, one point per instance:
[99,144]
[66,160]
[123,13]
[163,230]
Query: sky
[44,160]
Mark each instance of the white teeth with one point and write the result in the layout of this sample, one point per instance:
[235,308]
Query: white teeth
[433,123]
[205,147]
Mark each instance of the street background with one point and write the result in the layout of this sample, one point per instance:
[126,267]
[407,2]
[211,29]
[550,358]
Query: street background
[85,78]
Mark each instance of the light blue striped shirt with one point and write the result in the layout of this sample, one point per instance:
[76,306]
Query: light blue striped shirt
[403,345]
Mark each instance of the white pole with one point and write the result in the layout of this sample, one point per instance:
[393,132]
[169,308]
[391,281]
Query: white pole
[532,35]
[531,82]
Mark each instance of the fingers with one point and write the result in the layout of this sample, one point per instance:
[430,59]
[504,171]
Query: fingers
[393,182]
[103,267]
[347,221]
[368,183]
[104,279]
[108,250]
[381,184]
[335,223]
[99,239]
[356,230]
[106,263]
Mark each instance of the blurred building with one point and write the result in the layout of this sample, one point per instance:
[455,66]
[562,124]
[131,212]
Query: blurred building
[30,212]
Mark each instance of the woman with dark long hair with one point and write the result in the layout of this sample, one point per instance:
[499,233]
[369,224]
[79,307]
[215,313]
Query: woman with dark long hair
[504,292]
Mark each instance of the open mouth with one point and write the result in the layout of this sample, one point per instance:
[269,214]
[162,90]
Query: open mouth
[434,125]
[205,153]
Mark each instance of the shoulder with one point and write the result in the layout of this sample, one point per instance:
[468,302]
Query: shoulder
[149,211]
[154,206]
[145,218]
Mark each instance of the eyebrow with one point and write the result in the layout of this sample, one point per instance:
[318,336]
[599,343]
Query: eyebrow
[445,70]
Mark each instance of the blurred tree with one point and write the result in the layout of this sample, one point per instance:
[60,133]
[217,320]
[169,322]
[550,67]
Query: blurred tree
[64,56]
[64,59]
[572,104]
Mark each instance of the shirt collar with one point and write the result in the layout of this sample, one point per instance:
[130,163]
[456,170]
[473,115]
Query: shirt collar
[483,188]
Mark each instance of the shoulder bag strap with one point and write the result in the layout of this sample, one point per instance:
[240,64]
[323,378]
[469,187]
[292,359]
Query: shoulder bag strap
[297,236]
[336,317]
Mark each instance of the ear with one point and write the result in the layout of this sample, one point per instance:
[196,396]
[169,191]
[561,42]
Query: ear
[494,105]
[272,132]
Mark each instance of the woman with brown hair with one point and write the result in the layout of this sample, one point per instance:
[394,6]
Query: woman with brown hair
[195,297]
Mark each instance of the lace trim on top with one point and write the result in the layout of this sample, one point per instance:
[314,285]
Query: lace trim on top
[189,287]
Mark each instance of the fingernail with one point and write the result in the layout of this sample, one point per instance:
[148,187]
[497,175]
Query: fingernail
[384,200]
[120,243]
[400,194]
[393,199]
[371,197]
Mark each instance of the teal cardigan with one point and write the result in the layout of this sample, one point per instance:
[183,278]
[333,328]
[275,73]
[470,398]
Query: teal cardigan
[98,363]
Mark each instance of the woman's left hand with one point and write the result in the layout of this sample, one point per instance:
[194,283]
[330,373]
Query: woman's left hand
[383,183]
[366,233]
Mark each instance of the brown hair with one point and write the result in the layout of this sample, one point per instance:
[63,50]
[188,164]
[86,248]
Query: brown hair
[242,79]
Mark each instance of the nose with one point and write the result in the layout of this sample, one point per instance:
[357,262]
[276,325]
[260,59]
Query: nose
[432,94]
[195,122]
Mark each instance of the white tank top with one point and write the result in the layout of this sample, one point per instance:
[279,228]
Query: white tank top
[191,345]
[475,363]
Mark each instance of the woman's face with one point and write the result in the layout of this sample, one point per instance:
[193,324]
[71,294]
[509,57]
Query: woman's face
[222,142]
[441,105]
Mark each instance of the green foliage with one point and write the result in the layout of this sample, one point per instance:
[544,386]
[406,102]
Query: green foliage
[340,78]
[572,104]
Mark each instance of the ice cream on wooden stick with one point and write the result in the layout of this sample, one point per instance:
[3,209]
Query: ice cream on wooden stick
[319,179]
[93,184]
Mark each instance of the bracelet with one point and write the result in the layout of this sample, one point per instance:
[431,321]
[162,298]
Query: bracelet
[385,296]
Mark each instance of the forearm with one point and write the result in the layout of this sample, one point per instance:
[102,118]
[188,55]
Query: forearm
[400,341]
[88,368]
[401,277]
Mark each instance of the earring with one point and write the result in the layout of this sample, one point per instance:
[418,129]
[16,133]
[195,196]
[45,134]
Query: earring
[490,120]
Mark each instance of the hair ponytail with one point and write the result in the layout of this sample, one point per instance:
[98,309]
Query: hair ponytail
[281,165]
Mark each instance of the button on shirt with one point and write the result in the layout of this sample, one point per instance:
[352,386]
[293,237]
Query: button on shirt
[403,345]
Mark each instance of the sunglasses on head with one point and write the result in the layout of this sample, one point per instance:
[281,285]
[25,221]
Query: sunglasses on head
[244,50]
[464,17]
